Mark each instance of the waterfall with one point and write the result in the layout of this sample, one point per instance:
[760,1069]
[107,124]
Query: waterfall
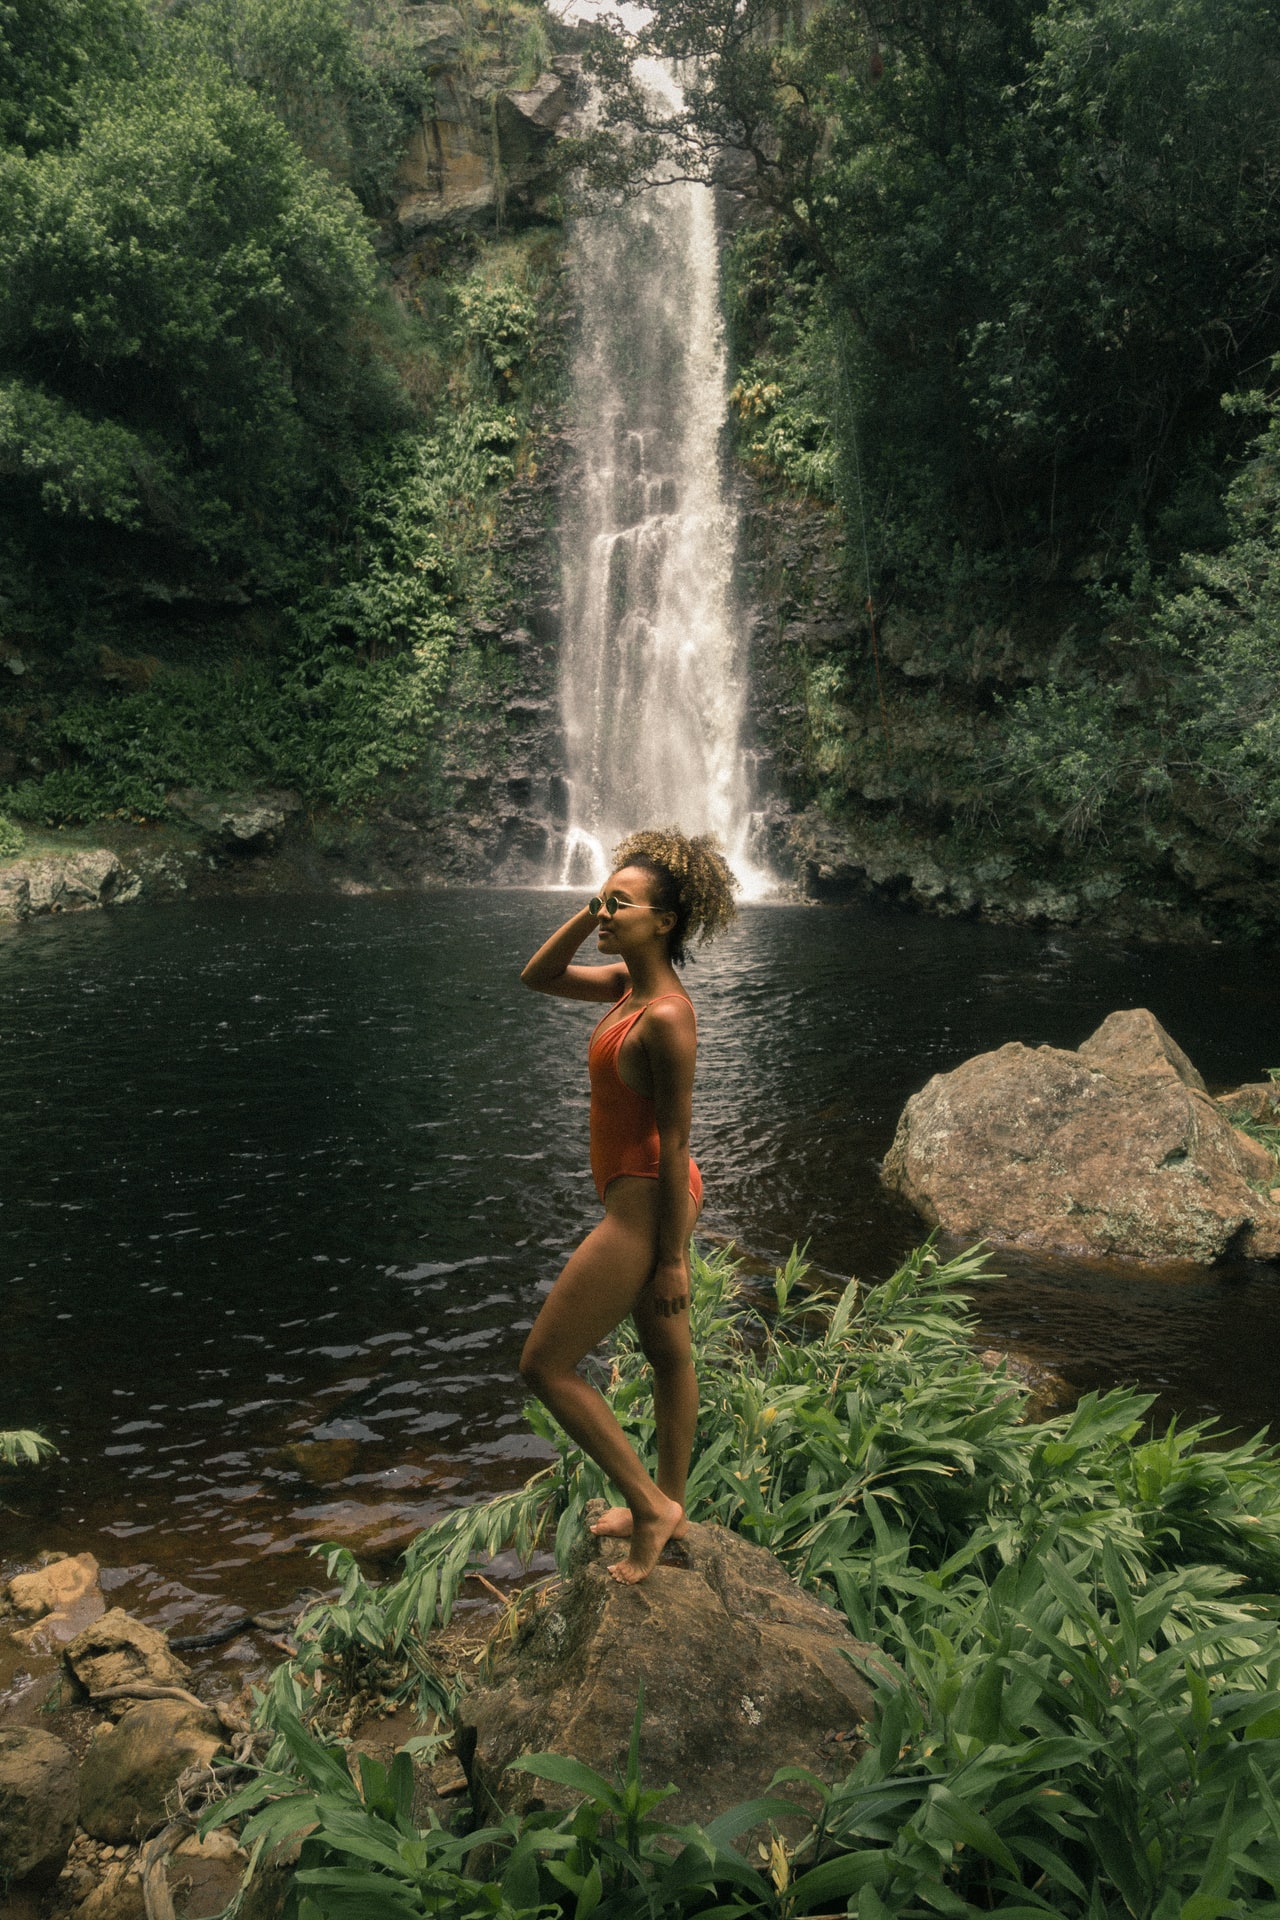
[652,684]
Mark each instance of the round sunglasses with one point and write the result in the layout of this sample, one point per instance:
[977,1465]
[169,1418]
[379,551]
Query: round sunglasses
[610,903]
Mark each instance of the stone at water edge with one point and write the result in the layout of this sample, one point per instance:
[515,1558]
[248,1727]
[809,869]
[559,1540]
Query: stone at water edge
[743,1673]
[64,883]
[39,1803]
[129,1773]
[119,1650]
[60,1600]
[1112,1150]
[53,1587]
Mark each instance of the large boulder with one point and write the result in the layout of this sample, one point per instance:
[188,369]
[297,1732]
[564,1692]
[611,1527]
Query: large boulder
[39,1800]
[1116,1149]
[118,1651]
[130,1770]
[742,1672]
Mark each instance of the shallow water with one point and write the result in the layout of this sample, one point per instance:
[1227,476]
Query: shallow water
[282,1185]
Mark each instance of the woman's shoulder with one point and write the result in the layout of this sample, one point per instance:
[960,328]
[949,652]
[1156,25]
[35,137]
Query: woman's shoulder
[671,1013]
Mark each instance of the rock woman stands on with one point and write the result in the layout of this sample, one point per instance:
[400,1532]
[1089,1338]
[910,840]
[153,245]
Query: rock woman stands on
[665,889]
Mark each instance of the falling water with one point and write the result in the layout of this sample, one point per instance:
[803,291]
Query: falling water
[653,676]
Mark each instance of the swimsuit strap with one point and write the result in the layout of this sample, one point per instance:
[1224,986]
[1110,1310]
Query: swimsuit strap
[624,1026]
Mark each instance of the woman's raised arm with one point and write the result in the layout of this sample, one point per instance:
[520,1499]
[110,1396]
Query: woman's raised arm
[549,970]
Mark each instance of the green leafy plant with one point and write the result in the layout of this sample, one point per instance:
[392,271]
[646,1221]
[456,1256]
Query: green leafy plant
[12,838]
[19,1446]
[1080,1712]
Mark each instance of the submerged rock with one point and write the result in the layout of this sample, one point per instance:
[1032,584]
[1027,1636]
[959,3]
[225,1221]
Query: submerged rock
[1116,1149]
[742,1672]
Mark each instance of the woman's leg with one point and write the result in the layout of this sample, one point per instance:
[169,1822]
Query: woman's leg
[599,1286]
[667,1348]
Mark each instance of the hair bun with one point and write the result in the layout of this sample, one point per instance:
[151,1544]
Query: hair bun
[697,883]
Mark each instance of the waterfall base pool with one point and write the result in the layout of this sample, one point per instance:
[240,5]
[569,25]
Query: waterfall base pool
[283,1184]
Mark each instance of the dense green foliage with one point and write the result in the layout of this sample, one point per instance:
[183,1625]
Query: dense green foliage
[1083,1612]
[1008,295]
[353,687]
[1190,708]
[248,486]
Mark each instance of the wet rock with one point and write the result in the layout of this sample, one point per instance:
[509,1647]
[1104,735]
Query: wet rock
[119,1651]
[1114,1150]
[64,883]
[742,1673]
[130,1772]
[54,1587]
[39,1802]
[60,1599]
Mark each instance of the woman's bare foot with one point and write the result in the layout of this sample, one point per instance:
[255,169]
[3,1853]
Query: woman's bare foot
[616,1525]
[649,1535]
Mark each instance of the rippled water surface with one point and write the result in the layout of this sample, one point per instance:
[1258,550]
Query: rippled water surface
[282,1184]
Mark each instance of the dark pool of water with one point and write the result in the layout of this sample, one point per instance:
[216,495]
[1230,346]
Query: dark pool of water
[282,1183]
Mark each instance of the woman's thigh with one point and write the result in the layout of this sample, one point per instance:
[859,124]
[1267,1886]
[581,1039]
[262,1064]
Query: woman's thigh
[600,1285]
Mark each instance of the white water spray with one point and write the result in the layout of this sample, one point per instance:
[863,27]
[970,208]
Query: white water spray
[653,682]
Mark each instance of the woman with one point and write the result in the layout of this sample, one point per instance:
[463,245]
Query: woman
[664,889]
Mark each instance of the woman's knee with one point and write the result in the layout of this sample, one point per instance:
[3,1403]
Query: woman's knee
[665,1345]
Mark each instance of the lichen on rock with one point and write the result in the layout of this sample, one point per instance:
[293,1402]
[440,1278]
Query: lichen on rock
[1115,1149]
[742,1673]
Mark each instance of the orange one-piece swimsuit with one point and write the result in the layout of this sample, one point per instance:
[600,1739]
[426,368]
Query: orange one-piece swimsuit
[624,1124]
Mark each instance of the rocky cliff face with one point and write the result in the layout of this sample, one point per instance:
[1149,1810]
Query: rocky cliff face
[883,766]
[484,154]
[491,797]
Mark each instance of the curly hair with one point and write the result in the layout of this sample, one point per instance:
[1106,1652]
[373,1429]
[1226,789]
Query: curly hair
[692,879]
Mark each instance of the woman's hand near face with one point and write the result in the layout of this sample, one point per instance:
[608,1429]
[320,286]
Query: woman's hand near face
[549,970]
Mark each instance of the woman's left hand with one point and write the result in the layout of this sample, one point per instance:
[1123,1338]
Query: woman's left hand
[671,1288]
